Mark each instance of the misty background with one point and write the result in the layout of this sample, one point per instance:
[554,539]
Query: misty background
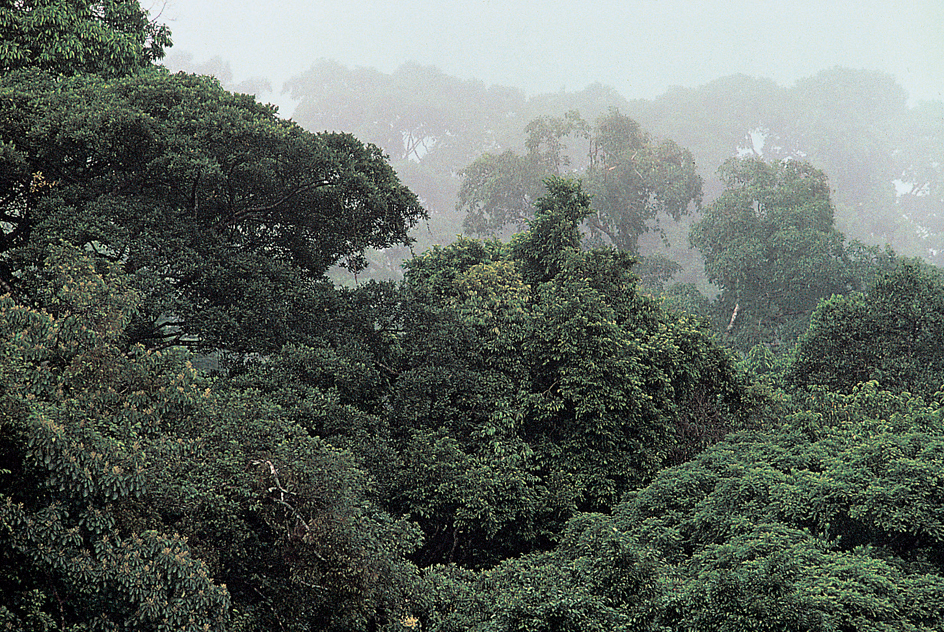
[639,47]
[853,87]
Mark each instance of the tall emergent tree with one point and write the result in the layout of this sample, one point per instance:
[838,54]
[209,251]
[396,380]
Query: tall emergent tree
[225,215]
[769,243]
[632,178]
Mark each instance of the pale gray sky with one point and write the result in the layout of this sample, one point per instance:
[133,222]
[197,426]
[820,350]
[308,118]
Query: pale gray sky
[639,47]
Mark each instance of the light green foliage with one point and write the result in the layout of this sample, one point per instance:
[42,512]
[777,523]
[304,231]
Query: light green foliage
[499,190]
[635,181]
[110,37]
[597,578]
[434,126]
[769,243]
[226,216]
[891,333]
[853,124]
[832,521]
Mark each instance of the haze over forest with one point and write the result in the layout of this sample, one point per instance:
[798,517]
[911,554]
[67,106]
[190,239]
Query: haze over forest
[721,79]
[640,48]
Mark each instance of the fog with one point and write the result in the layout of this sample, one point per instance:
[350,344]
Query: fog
[854,88]
[638,47]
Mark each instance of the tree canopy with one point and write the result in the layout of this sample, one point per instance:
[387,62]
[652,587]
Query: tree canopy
[890,333]
[770,245]
[540,364]
[517,436]
[632,178]
[829,521]
[214,204]
[110,37]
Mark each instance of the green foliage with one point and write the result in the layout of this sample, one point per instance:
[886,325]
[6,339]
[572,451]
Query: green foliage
[499,190]
[831,521]
[534,379]
[636,181]
[853,124]
[226,216]
[596,579]
[110,37]
[769,243]
[467,415]
[553,237]
[891,333]
[283,518]
[633,180]
[129,483]
[82,419]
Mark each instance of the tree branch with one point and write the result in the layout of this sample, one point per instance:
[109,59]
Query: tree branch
[247,212]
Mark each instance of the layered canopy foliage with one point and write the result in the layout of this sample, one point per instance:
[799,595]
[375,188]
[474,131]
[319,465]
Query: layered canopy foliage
[513,438]
[770,244]
[830,521]
[207,198]
[545,359]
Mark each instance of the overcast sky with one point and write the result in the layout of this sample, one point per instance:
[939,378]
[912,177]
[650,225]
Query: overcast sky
[639,47]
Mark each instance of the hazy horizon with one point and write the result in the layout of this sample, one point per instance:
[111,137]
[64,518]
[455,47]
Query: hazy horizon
[640,48]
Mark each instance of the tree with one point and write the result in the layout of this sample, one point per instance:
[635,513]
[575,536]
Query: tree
[110,37]
[283,517]
[466,475]
[633,180]
[890,333]
[532,379]
[498,191]
[129,481]
[845,121]
[226,215]
[769,243]
[82,419]
[829,519]
[619,387]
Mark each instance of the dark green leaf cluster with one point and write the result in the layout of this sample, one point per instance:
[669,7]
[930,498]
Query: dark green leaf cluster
[110,37]
[133,494]
[538,380]
[81,421]
[226,215]
[890,333]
